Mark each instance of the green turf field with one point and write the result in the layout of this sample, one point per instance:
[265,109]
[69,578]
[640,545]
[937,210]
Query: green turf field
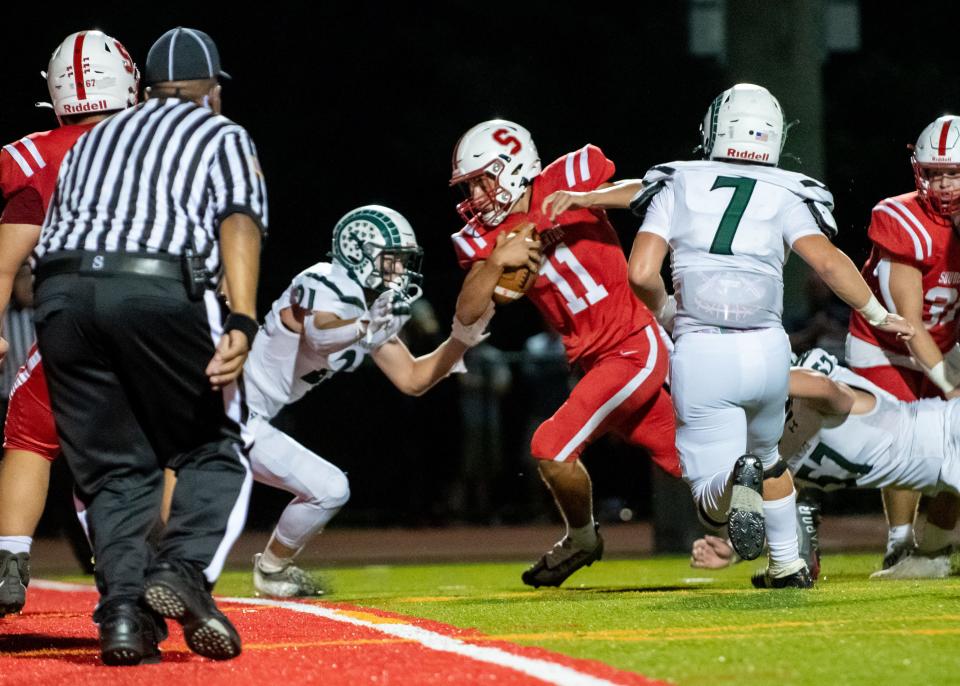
[663,619]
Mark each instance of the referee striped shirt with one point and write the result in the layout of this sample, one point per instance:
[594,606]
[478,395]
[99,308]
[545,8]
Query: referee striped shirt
[149,178]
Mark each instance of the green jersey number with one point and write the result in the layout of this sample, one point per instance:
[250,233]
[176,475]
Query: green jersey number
[742,190]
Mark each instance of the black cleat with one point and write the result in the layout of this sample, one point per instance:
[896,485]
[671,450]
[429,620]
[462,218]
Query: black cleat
[14,579]
[560,562]
[799,579]
[129,634]
[808,526]
[180,593]
[745,525]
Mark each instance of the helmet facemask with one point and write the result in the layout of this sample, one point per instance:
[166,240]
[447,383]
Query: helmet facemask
[486,201]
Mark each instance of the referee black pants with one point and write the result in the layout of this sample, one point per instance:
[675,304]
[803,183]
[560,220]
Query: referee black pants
[124,357]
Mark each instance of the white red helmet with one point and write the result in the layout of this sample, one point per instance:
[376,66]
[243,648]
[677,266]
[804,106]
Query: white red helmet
[745,124]
[504,152]
[90,72]
[938,150]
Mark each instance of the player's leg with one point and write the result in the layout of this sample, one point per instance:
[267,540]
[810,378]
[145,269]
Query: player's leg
[320,489]
[611,389]
[30,445]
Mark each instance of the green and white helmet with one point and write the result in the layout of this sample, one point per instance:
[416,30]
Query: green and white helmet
[378,246]
[745,124]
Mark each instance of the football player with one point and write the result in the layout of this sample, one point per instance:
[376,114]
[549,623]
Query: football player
[330,317]
[729,223]
[914,268]
[844,431]
[90,76]
[583,293]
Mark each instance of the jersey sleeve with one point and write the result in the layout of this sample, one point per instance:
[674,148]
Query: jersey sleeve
[803,218]
[15,171]
[657,212]
[472,247]
[896,235]
[236,181]
[24,207]
[584,169]
[321,293]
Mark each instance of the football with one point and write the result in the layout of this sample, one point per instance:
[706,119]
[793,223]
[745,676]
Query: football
[514,283]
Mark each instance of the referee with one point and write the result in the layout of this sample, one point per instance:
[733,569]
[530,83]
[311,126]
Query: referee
[142,360]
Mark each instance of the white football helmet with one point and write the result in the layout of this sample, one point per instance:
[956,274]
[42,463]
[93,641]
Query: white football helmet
[378,245]
[503,152]
[89,73]
[938,151]
[745,124]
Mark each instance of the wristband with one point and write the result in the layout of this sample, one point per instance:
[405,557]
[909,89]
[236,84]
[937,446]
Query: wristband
[241,322]
[873,311]
[938,375]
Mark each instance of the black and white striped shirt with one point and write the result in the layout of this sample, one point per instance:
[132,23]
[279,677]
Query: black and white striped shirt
[149,178]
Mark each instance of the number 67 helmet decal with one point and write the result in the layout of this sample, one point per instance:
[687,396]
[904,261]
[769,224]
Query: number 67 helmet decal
[494,163]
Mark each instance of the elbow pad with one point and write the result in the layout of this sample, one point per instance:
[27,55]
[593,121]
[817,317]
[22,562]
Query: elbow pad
[334,339]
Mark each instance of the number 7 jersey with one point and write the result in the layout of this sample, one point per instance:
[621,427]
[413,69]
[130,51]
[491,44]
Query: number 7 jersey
[730,228]
[582,290]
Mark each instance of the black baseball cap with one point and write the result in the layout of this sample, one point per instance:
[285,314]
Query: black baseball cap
[183,54]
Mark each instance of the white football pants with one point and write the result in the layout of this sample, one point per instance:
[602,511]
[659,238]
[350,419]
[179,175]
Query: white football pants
[729,391]
[320,487]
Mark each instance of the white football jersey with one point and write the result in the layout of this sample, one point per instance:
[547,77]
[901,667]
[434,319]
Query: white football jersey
[730,228]
[281,368]
[897,444]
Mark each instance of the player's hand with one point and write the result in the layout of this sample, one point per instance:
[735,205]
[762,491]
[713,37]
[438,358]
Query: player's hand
[712,552]
[560,201]
[517,250]
[227,362]
[4,346]
[894,323]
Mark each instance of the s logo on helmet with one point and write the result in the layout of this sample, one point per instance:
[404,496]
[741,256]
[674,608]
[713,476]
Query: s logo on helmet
[503,137]
[127,60]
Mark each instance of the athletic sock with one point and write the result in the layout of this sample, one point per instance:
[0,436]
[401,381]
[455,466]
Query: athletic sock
[16,544]
[900,536]
[584,537]
[934,538]
[271,563]
[780,517]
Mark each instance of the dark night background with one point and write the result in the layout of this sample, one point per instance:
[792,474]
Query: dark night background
[353,103]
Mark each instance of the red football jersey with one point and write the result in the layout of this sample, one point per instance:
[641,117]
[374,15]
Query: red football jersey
[903,231]
[28,172]
[582,289]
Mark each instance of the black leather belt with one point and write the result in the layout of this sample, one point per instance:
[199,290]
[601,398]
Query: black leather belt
[92,263]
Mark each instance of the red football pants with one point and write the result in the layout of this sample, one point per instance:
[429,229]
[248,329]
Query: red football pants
[30,424]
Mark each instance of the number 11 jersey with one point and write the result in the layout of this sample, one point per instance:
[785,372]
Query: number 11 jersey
[730,228]
[582,290]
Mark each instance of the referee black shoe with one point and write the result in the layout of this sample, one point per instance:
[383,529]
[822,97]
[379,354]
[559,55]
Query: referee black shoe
[561,561]
[178,591]
[14,579]
[129,634]
[745,526]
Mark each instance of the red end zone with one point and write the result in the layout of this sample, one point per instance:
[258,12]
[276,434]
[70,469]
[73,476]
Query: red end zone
[55,641]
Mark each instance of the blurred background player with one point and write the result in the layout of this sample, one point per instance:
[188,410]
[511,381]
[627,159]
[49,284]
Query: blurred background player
[729,223]
[329,318]
[107,83]
[582,292]
[914,268]
[844,431]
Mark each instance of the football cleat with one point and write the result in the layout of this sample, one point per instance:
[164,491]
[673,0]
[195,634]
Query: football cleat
[745,525]
[289,582]
[798,579]
[917,565]
[808,523]
[561,561]
[14,579]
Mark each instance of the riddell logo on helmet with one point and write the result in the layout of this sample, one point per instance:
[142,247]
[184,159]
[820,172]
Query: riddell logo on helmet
[97,106]
[748,155]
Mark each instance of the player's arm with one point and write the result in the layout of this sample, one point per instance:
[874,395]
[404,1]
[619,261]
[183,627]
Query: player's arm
[643,270]
[607,196]
[843,278]
[16,243]
[323,332]
[518,250]
[824,394]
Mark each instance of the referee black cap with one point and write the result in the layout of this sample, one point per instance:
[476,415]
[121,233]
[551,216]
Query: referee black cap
[183,54]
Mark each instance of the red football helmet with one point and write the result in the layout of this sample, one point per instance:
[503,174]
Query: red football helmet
[936,165]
